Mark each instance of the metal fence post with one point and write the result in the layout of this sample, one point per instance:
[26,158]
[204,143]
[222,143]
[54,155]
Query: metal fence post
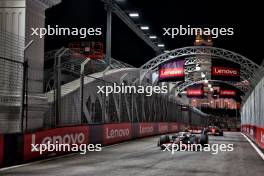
[60,53]
[25,64]
[81,87]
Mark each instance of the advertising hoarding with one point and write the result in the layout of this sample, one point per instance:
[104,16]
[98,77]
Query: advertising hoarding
[114,133]
[172,70]
[66,135]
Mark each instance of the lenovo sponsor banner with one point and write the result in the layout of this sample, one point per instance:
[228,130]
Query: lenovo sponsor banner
[245,129]
[174,127]
[66,135]
[114,133]
[225,70]
[146,129]
[252,131]
[255,133]
[227,93]
[195,91]
[163,128]
[182,126]
[1,149]
[172,70]
[260,137]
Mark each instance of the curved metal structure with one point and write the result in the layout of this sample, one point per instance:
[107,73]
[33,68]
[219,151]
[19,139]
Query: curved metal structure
[248,67]
[202,50]
[186,84]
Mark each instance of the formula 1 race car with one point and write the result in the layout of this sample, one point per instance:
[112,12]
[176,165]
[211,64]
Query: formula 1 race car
[185,137]
[214,130]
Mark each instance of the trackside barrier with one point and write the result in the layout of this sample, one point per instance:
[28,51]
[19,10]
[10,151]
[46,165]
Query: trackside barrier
[252,112]
[13,149]
[18,147]
[255,133]
[1,149]
[114,133]
[66,135]
[163,128]
[174,127]
[146,129]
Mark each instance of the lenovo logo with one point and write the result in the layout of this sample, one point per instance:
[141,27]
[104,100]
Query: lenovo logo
[117,133]
[163,128]
[261,137]
[165,72]
[222,71]
[72,138]
[174,127]
[251,132]
[146,129]
[227,92]
[192,92]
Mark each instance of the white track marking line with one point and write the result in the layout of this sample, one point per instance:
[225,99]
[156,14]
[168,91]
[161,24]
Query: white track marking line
[254,146]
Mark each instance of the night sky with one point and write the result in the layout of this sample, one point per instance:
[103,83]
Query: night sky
[245,17]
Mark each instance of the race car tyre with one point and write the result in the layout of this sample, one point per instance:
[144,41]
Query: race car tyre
[203,139]
[221,133]
[164,139]
[193,140]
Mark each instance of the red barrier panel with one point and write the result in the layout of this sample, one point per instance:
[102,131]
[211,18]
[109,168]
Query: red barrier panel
[174,127]
[114,133]
[66,135]
[245,129]
[260,137]
[255,133]
[248,129]
[252,132]
[1,149]
[163,127]
[182,126]
[146,129]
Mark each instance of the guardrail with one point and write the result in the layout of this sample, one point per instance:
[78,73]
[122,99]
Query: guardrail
[17,148]
[255,133]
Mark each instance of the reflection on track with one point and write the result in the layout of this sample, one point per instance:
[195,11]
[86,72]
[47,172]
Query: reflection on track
[143,157]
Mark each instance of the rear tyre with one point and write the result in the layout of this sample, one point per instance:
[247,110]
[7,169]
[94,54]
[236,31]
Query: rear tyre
[193,140]
[163,140]
[204,139]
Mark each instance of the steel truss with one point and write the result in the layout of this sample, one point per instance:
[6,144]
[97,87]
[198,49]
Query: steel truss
[248,68]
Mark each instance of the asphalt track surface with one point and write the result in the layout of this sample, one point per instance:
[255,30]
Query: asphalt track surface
[142,157]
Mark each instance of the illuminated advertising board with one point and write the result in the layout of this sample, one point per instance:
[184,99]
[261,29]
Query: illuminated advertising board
[195,91]
[225,71]
[172,70]
[227,93]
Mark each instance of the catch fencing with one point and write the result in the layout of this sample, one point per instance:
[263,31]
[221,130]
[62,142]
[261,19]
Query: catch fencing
[252,113]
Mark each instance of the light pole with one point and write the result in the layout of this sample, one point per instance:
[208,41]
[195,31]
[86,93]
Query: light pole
[108,7]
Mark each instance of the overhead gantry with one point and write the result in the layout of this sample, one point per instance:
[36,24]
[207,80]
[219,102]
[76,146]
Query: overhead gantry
[196,56]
